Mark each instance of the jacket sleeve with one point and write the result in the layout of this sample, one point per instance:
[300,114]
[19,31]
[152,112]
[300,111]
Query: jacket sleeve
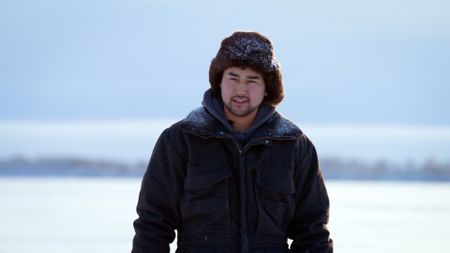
[308,228]
[158,203]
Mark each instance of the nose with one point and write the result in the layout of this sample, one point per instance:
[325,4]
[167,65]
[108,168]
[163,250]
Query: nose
[240,88]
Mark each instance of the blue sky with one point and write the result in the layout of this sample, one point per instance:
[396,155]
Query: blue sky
[349,62]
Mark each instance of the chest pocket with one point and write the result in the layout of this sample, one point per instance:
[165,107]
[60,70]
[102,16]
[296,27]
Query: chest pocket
[205,203]
[206,185]
[276,180]
[274,191]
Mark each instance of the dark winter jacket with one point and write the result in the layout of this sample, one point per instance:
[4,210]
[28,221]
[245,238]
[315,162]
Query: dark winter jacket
[224,198]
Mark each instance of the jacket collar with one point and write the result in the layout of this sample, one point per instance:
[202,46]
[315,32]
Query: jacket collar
[214,106]
[200,122]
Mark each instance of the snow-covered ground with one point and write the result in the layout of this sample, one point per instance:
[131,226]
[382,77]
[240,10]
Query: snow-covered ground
[49,215]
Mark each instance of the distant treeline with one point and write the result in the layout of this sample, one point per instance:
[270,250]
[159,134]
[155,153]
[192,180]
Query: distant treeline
[430,170]
[69,167]
[332,168]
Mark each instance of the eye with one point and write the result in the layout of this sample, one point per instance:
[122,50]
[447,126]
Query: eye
[253,82]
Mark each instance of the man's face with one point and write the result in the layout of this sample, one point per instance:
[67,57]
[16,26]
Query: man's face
[243,91]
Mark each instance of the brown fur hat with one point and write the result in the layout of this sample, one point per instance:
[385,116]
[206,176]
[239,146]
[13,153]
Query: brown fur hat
[253,50]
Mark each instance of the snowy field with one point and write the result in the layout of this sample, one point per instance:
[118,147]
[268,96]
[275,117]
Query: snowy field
[46,215]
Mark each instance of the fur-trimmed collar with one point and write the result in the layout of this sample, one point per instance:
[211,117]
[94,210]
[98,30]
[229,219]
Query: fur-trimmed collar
[201,123]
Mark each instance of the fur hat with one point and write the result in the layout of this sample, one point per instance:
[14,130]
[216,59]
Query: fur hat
[253,50]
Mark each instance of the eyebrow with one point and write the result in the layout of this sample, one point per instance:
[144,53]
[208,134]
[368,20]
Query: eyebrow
[254,77]
[233,74]
[249,77]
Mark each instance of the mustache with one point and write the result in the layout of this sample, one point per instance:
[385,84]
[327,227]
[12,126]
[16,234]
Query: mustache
[240,96]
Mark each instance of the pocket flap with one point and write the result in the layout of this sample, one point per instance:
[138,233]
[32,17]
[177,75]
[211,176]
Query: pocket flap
[204,180]
[276,180]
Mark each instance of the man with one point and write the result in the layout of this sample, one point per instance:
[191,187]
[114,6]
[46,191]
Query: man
[234,175]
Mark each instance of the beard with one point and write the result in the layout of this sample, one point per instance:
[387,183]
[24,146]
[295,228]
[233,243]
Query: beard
[240,112]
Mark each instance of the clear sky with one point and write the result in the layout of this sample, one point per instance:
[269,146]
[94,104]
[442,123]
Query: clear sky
[350,62]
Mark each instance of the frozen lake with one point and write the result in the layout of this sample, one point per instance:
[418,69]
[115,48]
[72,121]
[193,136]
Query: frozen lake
[46,215]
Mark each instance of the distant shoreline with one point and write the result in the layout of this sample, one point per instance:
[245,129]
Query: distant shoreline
[332,168]
[134,140]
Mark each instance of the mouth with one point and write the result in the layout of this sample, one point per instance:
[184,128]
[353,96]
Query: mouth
[240,100]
